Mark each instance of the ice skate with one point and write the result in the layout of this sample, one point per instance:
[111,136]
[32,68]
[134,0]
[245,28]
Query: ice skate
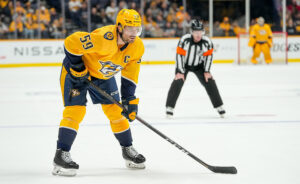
[169,112]
[221,111]
[132,158]
[63,164]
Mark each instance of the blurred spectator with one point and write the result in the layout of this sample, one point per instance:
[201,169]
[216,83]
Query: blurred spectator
[3,4]
[160,21]
[112,11]
[74,7]
[148,14]
[95,18]
[171,16]
[293,6]
[181,15]
[186,25]
[105,20]
[31,15]
[3,30]
[122,5]
[28,6]
[18,26]
[297,21]
[162,18]
[174,7]
[217,30]
[19,8]
[154,10]
[99,3]
[11,9]
[43,21]
[133,5]
[169,30]
[56,30]
[40,27]
[56,4]
[44,15]
[291,28]
[83,16]
[164,9]
[179,30]
[225,26]
[29,28]
[157,32]
[237,29]
[150,27]
[53,15]
[4,8]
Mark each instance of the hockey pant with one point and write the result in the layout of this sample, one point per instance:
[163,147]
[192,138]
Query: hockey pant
[75,107]
[210,87]
[257,49]
[75,110]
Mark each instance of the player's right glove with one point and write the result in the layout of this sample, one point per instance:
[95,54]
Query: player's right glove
[79,76]
[131,106]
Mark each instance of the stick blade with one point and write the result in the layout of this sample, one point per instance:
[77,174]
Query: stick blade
[224,170]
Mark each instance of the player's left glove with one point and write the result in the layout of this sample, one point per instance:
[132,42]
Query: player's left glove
[79,75]
[131,106]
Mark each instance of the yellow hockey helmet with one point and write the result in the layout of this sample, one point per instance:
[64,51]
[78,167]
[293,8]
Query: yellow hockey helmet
[128,17]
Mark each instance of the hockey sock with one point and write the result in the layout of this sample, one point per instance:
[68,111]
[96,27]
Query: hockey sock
[66,138]
[124,138]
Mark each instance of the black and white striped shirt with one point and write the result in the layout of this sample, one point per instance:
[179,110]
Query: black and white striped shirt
[190,54]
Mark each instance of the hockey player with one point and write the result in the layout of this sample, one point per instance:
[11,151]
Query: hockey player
[194,54]
[98,56]
[261,40]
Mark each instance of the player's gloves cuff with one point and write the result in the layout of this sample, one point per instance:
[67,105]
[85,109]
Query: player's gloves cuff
[79,76]
[131,108]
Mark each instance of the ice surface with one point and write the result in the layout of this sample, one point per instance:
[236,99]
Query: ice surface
[260,134]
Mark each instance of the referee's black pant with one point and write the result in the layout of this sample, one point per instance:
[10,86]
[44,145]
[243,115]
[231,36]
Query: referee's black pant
[210,87]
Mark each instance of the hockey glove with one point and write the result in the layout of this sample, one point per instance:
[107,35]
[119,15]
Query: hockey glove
[131,108]
[79,76]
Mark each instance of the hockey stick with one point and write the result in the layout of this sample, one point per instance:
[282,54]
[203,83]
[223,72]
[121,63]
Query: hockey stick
[215,169]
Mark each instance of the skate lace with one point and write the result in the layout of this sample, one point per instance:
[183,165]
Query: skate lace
[66,156]
[131,151]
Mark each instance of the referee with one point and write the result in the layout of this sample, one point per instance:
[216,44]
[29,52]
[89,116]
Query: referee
[194,54]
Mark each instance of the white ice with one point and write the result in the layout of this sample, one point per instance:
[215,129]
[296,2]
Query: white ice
[260,134]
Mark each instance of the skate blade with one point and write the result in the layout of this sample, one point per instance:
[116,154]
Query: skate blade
[222,115]
[60,171]
[132,165]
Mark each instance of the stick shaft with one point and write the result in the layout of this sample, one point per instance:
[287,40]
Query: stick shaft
[212,168]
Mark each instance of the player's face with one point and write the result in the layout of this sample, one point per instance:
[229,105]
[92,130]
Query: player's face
[197,35]
[130,33]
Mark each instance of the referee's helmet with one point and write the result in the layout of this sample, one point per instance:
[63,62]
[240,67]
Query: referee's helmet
[197,25]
